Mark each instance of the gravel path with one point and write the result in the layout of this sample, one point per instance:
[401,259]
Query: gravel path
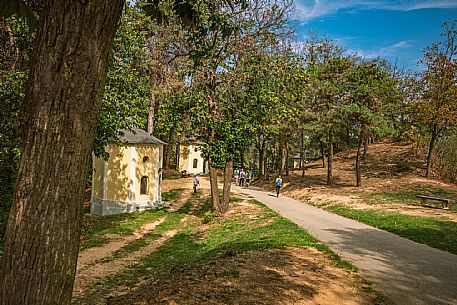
[404,271]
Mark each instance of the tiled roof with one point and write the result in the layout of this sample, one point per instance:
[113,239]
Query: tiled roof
[137,136]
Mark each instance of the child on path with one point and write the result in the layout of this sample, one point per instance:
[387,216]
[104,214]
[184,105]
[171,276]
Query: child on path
[196,183]
[278,184]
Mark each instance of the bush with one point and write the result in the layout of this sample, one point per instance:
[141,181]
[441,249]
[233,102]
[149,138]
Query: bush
[207,217]
[405,167]
[445,158]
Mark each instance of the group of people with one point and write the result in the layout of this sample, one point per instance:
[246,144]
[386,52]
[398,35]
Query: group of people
[243,177]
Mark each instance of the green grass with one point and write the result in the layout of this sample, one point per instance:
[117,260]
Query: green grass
[98,230]
[236,235]
[433,231]
[172,194]
[228,236]
[406,195]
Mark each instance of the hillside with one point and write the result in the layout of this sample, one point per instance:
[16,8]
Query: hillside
[392,174]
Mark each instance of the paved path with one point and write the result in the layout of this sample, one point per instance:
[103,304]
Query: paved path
[404,271]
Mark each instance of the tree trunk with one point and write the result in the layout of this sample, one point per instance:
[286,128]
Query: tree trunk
[152,101]
[330,158]
[358,174]
[302,155]
[430,150]
[212,107]
[227,184]
[365,143]
[281,153]
[59,121]
[262,161]
[348,138]
[304,164]
[168,149]
[323,153]
[286,161]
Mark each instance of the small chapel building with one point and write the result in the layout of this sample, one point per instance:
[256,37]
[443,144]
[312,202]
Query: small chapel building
[189,157]
[130,180]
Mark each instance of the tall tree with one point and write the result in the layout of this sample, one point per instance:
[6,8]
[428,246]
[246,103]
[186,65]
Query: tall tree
[59,122]
[438,106]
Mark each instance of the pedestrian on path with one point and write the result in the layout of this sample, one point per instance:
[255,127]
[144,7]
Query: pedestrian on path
[196,183]
[242,177]
[278,184]
[237,176]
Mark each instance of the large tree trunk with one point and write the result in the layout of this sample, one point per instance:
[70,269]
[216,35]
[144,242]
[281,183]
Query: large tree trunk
[212,106]
[227,184]
[60,117]
[430,150]
[330,158]
[358,174]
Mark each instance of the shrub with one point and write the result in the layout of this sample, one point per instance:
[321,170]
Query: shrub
[207,217]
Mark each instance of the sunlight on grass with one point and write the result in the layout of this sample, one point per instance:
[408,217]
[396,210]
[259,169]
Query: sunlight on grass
[433,231]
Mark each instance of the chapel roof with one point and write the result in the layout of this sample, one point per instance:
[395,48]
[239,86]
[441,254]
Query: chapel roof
[137,136]
[191,140]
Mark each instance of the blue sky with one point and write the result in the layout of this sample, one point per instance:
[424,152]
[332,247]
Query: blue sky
[396,30]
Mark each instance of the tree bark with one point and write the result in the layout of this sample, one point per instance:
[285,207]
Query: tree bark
[281,153]
[286,161]
[261,158]
[212,107]
[168,149]
[365,142]
[358,174]
[430,150]
[152,101]
[59,121]
[330,158]
[227,185]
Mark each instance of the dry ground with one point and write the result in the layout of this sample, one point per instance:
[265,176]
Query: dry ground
[286,276]
[386,184]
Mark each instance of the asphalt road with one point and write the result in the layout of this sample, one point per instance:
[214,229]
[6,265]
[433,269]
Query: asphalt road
[405,272]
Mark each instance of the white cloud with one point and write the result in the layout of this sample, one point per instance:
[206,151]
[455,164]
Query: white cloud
[386,51]
[313,9]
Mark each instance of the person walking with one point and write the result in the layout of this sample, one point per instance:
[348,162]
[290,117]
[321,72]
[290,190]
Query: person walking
[242,177]
[278,184]
[196,183]
[237,176]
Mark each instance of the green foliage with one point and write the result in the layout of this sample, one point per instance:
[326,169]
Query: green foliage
[208,217]
[126,96]
[405,167]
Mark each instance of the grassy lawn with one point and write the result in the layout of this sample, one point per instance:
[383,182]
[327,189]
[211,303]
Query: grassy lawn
[433,231]
[192,245]
[406,195]
[98,230]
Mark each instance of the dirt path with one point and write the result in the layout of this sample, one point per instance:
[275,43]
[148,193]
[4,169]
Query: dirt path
[98,262]
[404,271]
